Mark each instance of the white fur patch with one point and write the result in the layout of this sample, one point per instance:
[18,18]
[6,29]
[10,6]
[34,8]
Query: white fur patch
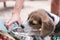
[47,38]
[56,18]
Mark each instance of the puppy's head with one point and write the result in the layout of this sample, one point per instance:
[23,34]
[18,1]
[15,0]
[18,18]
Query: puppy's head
[35,21]
[40,20]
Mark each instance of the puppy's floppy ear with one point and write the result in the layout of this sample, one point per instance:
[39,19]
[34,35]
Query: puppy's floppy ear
[47,28]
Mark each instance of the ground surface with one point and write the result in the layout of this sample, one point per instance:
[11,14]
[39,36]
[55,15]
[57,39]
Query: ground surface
[29,6]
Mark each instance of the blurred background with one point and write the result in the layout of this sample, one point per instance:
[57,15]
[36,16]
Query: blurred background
[29,6]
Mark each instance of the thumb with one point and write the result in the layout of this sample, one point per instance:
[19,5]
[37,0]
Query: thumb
[9,24]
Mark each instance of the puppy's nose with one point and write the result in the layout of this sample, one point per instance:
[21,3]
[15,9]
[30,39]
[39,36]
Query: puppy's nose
[22,26]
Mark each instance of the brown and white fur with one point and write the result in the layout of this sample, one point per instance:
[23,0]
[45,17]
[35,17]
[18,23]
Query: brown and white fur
[41,20]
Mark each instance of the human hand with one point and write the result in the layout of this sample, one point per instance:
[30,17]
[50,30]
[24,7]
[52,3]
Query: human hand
[14,18]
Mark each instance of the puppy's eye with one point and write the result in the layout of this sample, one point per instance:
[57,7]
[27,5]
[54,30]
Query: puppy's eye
[31,23]
[35,22]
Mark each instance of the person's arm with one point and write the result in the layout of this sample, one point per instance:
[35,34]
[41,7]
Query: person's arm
[15,14]
[18,7]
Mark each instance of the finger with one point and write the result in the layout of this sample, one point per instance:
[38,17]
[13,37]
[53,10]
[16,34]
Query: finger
[19,22]
[11,22]
[10,27]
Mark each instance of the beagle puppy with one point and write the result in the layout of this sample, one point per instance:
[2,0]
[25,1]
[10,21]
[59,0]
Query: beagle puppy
[47,23]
